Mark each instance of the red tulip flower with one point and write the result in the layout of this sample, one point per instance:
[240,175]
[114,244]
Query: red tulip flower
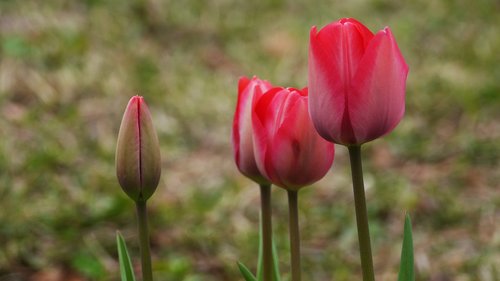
[357,82]
[289,151]
[242,136]
[138,166]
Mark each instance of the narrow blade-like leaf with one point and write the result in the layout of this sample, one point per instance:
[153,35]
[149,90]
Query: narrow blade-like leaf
[126,271]
[246,273]
[276,268]
[406,269]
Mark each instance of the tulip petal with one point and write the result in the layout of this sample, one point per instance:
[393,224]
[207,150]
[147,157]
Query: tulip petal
[242,130]
[334,55]
[299,155]
[149,153]
[377,103]
[282,154]
[242,135]
[263,122]
[128,151]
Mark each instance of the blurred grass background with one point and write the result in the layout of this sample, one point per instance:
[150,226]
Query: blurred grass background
[68,68]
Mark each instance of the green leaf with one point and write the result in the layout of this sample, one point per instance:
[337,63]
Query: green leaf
[126,271]
[246,273]
[276,268]
[406,271]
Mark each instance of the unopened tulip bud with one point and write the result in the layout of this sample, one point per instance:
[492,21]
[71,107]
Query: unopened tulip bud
[138,166]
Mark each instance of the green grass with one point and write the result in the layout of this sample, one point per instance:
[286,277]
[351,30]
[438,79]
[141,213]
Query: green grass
[68,68]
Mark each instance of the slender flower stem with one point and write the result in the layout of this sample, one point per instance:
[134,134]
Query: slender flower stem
[293,219]
[142,216]
[267,230]
[365,250]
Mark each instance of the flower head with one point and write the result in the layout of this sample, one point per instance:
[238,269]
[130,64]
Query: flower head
[357,82]
[243,134]
[289,151]
[138,166]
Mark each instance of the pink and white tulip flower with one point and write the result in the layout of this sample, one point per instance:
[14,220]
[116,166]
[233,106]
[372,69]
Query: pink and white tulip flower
[357,82]
[243,135]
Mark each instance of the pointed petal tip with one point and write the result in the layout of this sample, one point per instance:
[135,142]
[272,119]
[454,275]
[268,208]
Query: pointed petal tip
[135,101]
[313,32]
[348,21]
[243,83]
[386,34]
[386,31]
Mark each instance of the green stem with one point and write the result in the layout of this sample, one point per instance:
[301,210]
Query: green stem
[293,211]
[267,230]
[361,214]
[142,216]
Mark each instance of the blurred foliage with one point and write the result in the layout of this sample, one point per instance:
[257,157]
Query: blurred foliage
[67,69]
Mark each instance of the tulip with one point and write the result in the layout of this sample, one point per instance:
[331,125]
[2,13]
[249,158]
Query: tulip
[138,152]
[242,136]
[289,151]
[357,82]
[138,168]
[244,156]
